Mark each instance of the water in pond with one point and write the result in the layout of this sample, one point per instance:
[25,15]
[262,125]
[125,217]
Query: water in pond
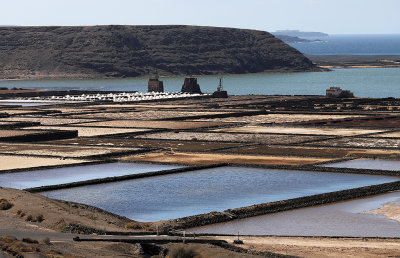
[378,164]
[363,82]
[203,191]
[22,180]
[338,219]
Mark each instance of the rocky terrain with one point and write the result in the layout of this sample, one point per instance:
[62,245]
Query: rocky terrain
[131,51]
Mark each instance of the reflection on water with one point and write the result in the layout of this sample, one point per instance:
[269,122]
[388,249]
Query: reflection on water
[37,178]
[218,189]
[339,219]
[367,164]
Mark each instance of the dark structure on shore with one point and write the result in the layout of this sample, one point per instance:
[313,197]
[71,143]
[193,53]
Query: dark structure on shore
[154,85]
[220,93]
[337,92]
[190,85]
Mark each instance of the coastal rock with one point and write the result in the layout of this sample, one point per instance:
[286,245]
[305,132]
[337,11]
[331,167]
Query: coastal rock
[129,51]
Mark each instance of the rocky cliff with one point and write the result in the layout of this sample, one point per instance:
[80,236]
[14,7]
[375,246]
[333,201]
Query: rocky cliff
[131,51]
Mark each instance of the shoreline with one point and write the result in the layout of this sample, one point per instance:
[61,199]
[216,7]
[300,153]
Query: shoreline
[356,61]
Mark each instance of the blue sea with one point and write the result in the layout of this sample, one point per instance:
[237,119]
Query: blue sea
[366,82]
[384,44]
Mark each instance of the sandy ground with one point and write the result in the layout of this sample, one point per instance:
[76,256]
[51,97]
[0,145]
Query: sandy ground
[322,247]
[393,134]
[311,151]
[48,120]
[213,158]
[365,142]
[278,118]
[153,124]
[56,214]
[298,130]
[57,150]
[143,143]
[389,210]
[90,131]
[17,162]
[19,111]
[231,137]
[10,133]
[144,114]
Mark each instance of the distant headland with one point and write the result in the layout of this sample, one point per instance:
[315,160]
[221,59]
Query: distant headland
[297,33]
[117,51]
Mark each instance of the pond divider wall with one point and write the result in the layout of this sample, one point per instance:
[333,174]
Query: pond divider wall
[278,206]
[121,178]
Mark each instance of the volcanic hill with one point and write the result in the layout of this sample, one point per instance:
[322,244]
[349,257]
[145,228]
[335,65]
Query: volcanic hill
[117,51]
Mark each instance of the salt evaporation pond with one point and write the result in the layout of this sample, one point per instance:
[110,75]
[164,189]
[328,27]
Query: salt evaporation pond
[203,191]
[339,219]
[378,164]
[22,180]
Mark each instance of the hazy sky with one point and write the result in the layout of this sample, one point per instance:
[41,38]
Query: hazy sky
[330,16]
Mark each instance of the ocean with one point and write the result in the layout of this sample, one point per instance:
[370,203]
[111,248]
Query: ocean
[385,44]
[366,82]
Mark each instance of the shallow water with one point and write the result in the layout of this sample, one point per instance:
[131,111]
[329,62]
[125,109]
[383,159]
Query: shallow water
[378,164]
[22,180]
[339,219]
[363,82]
[218,189]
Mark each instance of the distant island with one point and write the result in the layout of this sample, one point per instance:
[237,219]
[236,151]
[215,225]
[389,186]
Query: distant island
[297,33]
[117,51]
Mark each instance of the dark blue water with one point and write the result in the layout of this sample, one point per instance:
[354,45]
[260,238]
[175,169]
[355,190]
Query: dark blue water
[352,45]
[185,194]
[22,180]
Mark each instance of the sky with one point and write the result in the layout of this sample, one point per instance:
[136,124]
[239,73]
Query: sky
[329,16]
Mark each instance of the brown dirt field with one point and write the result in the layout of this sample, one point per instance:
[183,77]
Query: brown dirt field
[153,124]
[298,130]
[206,251]
[365,142]
[11,133]
[54,150]
[139,106]
[139,143]
[48,120]
[393,135]
[214,158]
[277,118]
[322,247]
[56,214]
[385,122]
[18,162]
[90,131]
[17,91]
[144,114]
[19,111]
[311,151]
[231,137]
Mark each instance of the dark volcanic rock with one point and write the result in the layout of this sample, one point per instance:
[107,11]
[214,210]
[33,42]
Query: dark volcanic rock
[130,51]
